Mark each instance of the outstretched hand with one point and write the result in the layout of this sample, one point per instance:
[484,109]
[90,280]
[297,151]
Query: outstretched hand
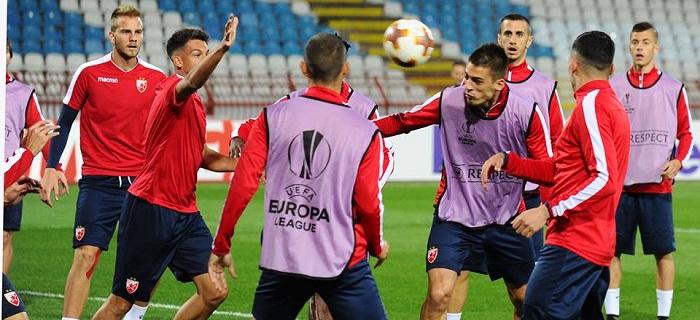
[230,32]
[495,163]
[217,264]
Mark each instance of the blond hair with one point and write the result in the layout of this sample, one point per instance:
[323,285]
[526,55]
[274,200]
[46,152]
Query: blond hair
[123,11]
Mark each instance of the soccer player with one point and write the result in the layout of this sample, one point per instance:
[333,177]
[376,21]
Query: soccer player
[586,175]
[471,229]
[326,174]
[515,36]
[16,187]
[657,106]
[457,72]
[21,111]
[160,208]
[113,95]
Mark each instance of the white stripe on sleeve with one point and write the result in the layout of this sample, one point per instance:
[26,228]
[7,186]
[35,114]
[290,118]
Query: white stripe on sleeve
[601,180]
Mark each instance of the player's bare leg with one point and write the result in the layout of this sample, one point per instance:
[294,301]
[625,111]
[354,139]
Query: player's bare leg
[78,282]
[203,303]
[19,316]
[114,308]
[459,295]
[517,296]
[665,275]
[7,251]
[318,309]
[441,284]
[612,297]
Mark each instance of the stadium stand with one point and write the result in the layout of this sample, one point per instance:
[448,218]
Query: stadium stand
[53,37]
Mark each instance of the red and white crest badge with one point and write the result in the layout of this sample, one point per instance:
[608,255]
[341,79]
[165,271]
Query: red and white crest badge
[79,233]
[432,254]
[12,298]
[141,84]
[131,285]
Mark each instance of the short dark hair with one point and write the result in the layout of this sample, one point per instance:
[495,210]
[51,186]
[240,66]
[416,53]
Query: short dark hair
[459,63]
[491,56]
[515,17]
[595,48]
[644,26]
[324,55]
[8,47]
[180,38]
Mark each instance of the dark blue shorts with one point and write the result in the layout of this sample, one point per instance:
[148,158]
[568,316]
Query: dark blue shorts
[533,200]
[98,208]
[152,238]
[11,303]
[494,250]
[653,213]
[352,295]
[565,286]
[13,217]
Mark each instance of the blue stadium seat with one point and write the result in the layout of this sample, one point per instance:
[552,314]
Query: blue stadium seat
[226,7]
[73,18]
[53,17]
[248,19]
[54,32]
[290,48]
[28,5]
[306,33]
[31,32]
[272,47]
[281,8]
[186,6]
[167,5]
[411,8]
[271,33]
[13,33]
[94,46]
[215,33]
[30,46]
[13,18]
[205,6]
[49,5]
[262,7]
[73,46]
[192,18]
[290,33]
[94,33]
[250,33]
[52,45]
[252,47]
[73,32]
[31,17]
[12,5]
[237,48]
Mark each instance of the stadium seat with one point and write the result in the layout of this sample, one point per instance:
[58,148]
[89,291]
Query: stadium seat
[69,5]
[94,46]
[55,62]
[74,47]
[73,18]
[74,60]
[34,61]
[31,32]
[89,6]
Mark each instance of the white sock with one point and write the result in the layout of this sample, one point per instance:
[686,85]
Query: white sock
[136,313]
[612,302]
[66,318]
[663,302]
[454,316]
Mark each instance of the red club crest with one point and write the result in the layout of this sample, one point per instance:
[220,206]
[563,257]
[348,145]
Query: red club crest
[432,254]
[131,286]
[141,84]
[12,298]
[79,233]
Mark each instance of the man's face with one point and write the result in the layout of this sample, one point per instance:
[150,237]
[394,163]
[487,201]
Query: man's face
[127,37]
[515,38]
[457,73]
[643,47]
[192,53]
[480,85]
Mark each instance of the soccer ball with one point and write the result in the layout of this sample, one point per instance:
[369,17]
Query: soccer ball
[408,42]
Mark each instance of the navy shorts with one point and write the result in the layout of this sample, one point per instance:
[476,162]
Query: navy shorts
[653,213]
[565,286]
[494,250]
[151,238]
[98,208]
[13,217]
[11,303]
[352,295]
[533,200]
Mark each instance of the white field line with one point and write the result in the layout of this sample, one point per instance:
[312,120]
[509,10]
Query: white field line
[150,305]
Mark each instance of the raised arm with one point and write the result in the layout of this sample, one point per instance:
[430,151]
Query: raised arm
[419,117]
[200,73]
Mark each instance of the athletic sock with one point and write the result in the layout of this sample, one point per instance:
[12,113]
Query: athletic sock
[663,302]
[136,313]
[612,302]
[454,316]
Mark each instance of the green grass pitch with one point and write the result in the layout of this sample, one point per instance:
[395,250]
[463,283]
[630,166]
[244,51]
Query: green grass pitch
[43,256]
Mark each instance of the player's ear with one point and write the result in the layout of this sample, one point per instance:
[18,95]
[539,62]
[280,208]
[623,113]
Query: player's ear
[499,84]
[304,69]
[110,35]
[345,71]
[177,61]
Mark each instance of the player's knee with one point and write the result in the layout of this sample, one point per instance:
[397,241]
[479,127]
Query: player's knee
[439,297]
[6,238]
[664,257]
[213,298]
[86,257]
